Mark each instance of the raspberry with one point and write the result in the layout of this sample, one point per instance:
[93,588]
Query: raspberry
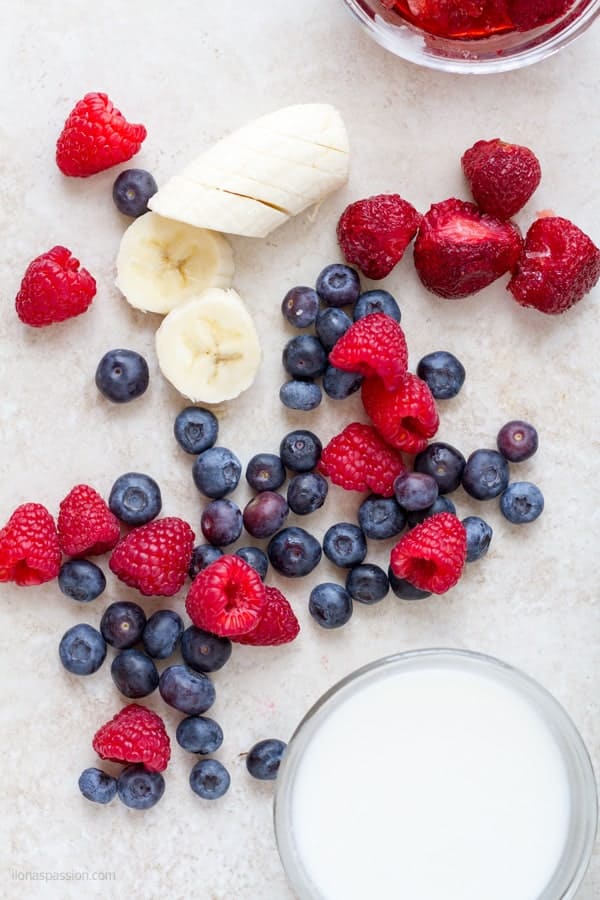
[374,233]
[358,459]
[29,551]
[86,526]
[559,265]
[54,288]
[528,14]
[374,345]
[502,176]
[155,558]
[405,418]
[431,556]
[227,597]
[95,137]
[134,735]
[277,623]
[460,250]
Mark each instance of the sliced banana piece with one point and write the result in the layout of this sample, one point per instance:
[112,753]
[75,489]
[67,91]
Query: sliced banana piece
[208,347]
[162,262]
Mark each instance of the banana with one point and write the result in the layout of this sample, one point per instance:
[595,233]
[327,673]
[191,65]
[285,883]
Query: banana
[208,347]
[162,263]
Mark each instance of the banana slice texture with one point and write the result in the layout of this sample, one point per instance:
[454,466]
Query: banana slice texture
[162,263]
[208,347]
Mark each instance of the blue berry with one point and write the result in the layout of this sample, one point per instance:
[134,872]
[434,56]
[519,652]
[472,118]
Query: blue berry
[344,544]
[199,734]
[256,558]
[203,651]
[217,472]
[330,605]
[265,514]
[377,301]
[331,324]
[485,474]
[264,758]
[265,472]
[300,306]
[300,450]
[202,556]
[81,580]
[441,504]
[479,535]
[138,788]
[122,375]
[294,552]
[195,429]
[517,440]
[338,285]
[82,650]
[404,589]
[97,786]
[415,490]
[367,583]
[522,502]
[339,384]
[209,779]
[381,517]
[443,373]
[304,356]
[221,522]
[162,633]
[122,624]
[189,691]
[306,492]
[132,190]
[134,674]
[444,463]
[302,395]
[135,498]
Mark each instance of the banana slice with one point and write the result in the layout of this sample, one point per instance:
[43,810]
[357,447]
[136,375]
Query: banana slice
[208,347]
[162,263]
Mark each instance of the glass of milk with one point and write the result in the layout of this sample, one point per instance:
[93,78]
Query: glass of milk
[436,775]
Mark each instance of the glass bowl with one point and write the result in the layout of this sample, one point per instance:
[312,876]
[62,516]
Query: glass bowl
[499,53]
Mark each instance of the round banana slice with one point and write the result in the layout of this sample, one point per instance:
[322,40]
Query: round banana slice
[162,263]
[208,347]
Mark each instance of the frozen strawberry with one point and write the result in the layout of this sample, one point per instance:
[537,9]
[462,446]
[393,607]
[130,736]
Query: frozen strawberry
[155,558]
[277,623]
[55,287]
[29,550]
[86,526]
[226,598]
[502,176]
[374,345]
[405,418]
[455,18]
[134,735]
[431,556]
[374,233]
[358,459]
[528,14]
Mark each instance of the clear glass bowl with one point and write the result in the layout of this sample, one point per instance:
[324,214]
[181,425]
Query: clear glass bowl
[499,53]
[583,803]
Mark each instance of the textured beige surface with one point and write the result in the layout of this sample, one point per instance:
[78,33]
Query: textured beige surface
[192,71]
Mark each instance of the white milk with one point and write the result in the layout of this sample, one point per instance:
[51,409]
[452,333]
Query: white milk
[431,784]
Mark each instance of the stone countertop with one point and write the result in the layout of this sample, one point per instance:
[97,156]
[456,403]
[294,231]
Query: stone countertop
[191,72]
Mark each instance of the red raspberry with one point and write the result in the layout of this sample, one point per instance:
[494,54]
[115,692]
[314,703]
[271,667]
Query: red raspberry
[502,176]
[358,459]
[155,558]
[375,345]
[29,551]
[277,623]
[134,735]
[528,14]
[374,233]
[460,250]
[559,265]
[431,555]
[227,597]
[54,288]
[86,526]
[95,137]
[405,418]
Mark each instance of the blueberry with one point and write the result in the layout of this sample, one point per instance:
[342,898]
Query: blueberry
[302,395]
[441,504]
[485,474]
[415,490]
[443,373]
[300,306]
[97,786]
[202,556]
[264,758]
[517,440]
[265,514]
[304,356]
[199,734]
[344,544]
[135,498]
[522,502]
[134,673]
[188,691]
[404,589]
[82,650]
[209,779]
[256,558]
[217,472]
[122,375]
[444,463]
[479,535]
[331,324]
[221,522]
[132,190]
[162,633]
[306,493]
[195,429]
[377,301]
[138,788]
[122,624]
[338,285]
[330,605]
[381,517]
[265,472]
[82,580]
[203,651]
[367,583]
[339,384]
[294,552]
[300,450]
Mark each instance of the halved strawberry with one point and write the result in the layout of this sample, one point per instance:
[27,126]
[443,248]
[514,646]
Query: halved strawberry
[227,598]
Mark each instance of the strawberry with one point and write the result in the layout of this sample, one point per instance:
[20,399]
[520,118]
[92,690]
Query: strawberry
[374,233]
[86,526]
[374,345]
[528,14]
[277,623]
[54,288]
[226,598]
[431,556]
[134,735]
[358,459]
[502,176]
[155,558]
[405,418]
[29,550]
